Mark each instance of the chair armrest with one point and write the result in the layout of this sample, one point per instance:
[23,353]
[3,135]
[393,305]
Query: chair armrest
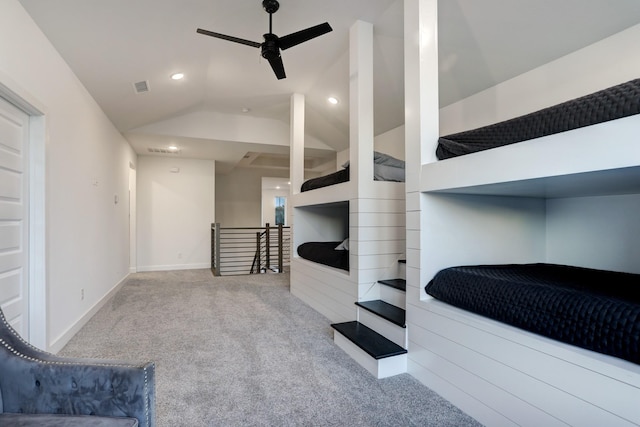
[40,382]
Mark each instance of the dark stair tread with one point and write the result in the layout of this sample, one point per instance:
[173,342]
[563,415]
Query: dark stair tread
[395,283]
[369,340]
[402,261]
[385,310]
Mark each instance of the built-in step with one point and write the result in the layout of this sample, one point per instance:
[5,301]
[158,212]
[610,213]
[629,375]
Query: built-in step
[368,340]
[400,284]
[385,310]
[378,355]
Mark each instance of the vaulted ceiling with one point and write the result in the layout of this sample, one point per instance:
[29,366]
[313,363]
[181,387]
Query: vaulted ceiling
[230,104]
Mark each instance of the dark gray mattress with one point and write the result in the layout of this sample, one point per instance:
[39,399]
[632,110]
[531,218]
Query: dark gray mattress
[324,181]
[593,309]
[609,104]
[325,253]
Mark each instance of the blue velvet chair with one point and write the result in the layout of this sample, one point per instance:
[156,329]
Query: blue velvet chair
[40,389]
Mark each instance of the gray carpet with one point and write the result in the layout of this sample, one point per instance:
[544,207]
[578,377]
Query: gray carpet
[243,351]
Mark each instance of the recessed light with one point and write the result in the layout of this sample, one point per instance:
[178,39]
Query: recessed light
[177,76]
[246,110]
[332,100]
[172,148]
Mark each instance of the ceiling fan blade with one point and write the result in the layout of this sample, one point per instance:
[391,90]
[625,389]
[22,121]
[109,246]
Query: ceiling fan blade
[301,36]
[277,66]
[229,38]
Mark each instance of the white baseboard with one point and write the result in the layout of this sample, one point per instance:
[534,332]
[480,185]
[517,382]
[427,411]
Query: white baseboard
[58,343]
[173,267]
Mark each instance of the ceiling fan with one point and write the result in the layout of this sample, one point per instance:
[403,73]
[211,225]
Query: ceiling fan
[270,48]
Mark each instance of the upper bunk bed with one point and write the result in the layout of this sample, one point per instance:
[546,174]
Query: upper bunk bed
[564,144]
[385,168]
[388,173]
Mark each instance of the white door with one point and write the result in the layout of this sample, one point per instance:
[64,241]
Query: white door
[14,209]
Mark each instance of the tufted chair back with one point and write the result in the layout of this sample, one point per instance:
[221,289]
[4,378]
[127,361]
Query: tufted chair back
[36,382]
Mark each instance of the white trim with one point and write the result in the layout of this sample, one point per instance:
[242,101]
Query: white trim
[173,267]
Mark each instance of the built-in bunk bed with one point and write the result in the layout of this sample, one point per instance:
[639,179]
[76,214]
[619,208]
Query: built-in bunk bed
[325,271]
[530,304]
[594,309]
[358,223]
[336,253]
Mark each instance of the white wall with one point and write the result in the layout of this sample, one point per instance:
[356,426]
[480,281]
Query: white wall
[595,232]
[87,165]
[390,142]
[239,195]
[606,63]
[174,213]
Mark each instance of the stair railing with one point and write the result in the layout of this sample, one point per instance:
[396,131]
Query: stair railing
[249,250]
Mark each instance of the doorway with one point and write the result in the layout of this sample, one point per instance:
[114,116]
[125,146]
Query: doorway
[22,214]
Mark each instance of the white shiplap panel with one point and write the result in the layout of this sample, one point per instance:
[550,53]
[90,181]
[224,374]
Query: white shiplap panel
[382,219]
[487,381]
[334,193]
[372,275]
[377,233]
[383,190]
[378,247]
[365,262]
[562,389]
[445,379]
[328,292]
[378,205]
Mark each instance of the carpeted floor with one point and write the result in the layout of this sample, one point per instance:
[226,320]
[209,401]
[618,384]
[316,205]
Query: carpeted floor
[243,351]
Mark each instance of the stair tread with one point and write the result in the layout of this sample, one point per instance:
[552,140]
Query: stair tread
[402,261]
[376,345]
[385,310]
[395,283]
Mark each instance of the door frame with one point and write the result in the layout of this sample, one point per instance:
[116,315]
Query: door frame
[23,100]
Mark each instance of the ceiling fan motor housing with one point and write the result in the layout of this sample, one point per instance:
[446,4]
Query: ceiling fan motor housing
[270,6]
[270,48]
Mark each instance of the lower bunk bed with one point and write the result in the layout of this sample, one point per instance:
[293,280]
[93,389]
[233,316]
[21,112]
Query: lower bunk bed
[594,309]
[332,254]
[534,344]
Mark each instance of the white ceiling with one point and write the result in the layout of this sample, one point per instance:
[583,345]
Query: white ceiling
[112,44]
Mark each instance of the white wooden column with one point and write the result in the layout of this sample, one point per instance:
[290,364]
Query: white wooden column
[421,126]
[361,105]
[360,134]
[296,149]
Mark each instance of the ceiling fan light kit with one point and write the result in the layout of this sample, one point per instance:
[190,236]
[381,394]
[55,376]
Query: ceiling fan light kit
[272,45]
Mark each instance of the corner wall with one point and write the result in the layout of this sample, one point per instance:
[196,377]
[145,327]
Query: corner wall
[175,209]
[239,196]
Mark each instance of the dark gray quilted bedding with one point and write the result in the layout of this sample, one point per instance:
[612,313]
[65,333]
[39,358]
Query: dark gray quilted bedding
[593,309]
[608,104]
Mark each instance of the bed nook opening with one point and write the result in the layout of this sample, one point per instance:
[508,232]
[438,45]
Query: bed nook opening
[321,234]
